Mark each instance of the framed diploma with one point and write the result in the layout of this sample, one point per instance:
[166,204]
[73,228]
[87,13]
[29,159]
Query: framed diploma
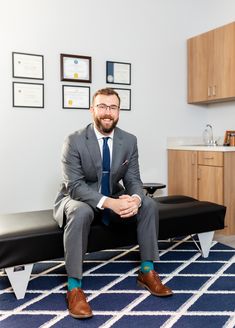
[27,66]
[28,94]
[75,68]
[76,97]
[125,97]
[118,73]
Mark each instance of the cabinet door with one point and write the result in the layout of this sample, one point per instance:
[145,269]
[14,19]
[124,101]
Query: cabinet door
[210,184]
[198,68]
[182,173]
[222,59]
[229,186]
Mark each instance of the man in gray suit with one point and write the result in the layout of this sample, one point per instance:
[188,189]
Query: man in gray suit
[82,199]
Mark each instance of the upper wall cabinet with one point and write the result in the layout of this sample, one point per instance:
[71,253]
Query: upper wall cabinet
[211,66]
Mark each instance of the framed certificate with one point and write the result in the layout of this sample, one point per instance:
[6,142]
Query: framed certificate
[76,97]
[27,66]
[28,94]
[75,68]
[125,97]
[118,73]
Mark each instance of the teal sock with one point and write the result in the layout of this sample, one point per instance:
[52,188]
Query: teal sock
[146,266]
[74,283]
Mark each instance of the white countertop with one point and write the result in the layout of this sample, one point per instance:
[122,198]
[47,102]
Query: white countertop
[201,148]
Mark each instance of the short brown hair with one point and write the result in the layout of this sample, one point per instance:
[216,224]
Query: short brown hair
[106,92]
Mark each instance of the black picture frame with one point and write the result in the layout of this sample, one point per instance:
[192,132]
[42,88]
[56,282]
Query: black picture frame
[75,68]
[118,72]
[72,91]
[125,96]
[27,66]
[28,95]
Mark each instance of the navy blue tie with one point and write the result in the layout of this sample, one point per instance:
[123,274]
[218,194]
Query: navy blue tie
[105,190]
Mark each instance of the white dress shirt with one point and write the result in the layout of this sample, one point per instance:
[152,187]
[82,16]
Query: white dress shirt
[100,137]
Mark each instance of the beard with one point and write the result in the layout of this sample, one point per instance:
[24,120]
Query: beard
[105,127]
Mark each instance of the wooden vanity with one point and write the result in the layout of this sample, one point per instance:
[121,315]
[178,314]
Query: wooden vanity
[205,173]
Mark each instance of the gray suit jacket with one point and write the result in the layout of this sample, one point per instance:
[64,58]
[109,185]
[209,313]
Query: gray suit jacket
[82,169]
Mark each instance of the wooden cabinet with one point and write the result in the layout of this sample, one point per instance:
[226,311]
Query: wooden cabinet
[211,66]
[198,69]
[182,172]
[210,184]
[210,176]
[205,175]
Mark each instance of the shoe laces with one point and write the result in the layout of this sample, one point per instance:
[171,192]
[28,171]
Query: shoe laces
[78,295]
[156,276]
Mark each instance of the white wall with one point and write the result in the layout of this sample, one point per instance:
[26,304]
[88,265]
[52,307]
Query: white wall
[208,15]
[150,34]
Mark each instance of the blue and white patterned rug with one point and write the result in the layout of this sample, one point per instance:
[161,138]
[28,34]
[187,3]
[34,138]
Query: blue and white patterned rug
[204,291]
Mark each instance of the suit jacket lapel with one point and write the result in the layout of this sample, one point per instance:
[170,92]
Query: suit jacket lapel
[116,155]
[94,150]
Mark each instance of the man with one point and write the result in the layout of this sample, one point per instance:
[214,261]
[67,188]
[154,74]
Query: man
[94,162]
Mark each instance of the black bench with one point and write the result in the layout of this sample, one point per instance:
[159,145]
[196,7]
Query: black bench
[27,238]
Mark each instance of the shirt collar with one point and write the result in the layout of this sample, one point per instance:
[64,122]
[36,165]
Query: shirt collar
[100,135]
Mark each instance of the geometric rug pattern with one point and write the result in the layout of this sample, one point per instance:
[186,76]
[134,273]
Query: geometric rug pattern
[204,291]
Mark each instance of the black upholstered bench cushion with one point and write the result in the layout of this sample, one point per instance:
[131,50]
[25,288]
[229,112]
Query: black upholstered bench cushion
[29,237]
[178,216]
[182,215]
[35,236]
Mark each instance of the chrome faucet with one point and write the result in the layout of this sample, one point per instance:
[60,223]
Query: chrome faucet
[208,137]
[211,139]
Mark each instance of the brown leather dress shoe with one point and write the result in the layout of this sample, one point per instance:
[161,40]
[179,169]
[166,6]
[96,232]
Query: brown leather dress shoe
[78,306]
[153,283]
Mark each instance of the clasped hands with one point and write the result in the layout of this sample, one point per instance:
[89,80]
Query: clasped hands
[125,206]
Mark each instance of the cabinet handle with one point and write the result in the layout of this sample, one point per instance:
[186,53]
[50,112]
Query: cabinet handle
[214,90]
[208,157]
[209,91]
[198,174]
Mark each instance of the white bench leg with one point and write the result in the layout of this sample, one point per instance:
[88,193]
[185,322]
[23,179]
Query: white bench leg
[205,239]
[19,278]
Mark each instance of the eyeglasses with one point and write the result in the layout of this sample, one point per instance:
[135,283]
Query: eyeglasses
[104,107]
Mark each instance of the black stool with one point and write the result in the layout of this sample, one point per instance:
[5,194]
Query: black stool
[152,187]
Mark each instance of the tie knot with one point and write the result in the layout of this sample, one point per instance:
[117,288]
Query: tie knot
[105,140]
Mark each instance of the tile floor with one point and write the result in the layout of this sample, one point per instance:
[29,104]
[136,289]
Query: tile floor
[227,240]
[204,291]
